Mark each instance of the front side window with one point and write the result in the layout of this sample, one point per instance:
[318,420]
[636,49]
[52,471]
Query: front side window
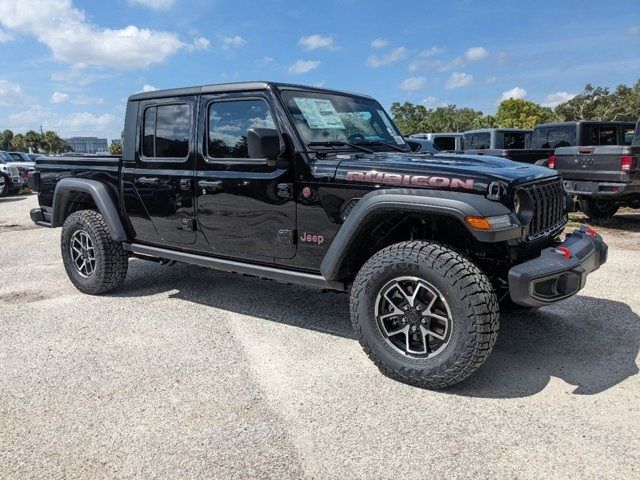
[445,143]
[513,140]
[325,117]
[229,123]
[627,135]
[166,131]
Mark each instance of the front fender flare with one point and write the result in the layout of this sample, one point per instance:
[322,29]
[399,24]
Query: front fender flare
[441,202]
[101,197]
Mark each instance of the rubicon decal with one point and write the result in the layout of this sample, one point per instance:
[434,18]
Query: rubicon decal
[410,180]
[306,237]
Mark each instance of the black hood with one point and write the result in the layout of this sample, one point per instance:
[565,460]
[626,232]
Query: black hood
[446,171]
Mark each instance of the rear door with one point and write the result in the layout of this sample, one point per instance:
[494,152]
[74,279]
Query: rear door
[245,205]
[164,210]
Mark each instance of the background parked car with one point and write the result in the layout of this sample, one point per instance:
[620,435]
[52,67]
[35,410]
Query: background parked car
[446,141]
[605,176]
[23,162]
[11,175]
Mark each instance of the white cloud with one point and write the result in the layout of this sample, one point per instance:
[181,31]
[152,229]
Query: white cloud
[394,55]
[430,52]
[5,36]
[303,66]
[233,41]
[515,92]
[315,41]
[413,83]
[199,43]
[635,30]
[71,38]
[476,53]
[458,79]
[59,97]
[554,99]
[379,43]
[148,88]
[11,93]
[155,4]
[436,65]
[490,80]
[75,76]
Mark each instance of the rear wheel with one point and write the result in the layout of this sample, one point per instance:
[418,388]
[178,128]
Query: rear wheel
[424,314]
[598,210]
[95,263]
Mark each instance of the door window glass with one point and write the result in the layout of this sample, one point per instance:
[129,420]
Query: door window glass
[229,123]
[166,131]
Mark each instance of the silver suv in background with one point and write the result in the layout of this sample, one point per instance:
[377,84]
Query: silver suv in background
[445,141]
[12,179]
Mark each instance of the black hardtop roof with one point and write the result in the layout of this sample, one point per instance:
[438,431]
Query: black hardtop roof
[484,130]
[235,87]
[587,122]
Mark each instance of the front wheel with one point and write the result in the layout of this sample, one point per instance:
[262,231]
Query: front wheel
[424,314]
[6,189]
[598,210]
[95,263]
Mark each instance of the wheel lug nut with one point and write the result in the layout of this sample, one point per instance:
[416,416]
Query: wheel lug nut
[419,307]
[406,308]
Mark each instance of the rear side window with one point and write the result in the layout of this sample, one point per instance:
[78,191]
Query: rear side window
[512,140]
[445,143]
[228,125]
[166,131]
[477,141]
[627,135]
[553,137]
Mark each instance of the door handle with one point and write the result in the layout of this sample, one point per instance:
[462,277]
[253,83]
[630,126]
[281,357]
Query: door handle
[148,180]
[210,184]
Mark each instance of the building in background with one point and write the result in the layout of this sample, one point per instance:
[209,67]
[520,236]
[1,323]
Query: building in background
[88,144]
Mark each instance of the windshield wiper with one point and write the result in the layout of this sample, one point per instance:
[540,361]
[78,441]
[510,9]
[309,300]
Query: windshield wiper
[380,142]
[339,143]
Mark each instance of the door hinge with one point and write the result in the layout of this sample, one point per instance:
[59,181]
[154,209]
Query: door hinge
[188,224]
[285,190]
[286,235]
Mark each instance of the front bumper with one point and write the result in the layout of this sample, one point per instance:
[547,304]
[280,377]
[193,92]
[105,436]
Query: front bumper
[559,272]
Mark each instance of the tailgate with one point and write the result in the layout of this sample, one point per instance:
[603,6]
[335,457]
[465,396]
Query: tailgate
[590,163]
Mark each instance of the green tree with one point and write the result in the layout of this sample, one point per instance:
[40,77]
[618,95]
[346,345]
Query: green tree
[115,148]
[18,143]
[599,103]
[410,118]
[7,138]
[33,141]
[520,113]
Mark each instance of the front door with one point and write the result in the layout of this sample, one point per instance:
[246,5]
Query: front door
[164,172]
[245,205]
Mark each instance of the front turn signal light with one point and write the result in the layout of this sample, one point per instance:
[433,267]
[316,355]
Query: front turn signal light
[497,222]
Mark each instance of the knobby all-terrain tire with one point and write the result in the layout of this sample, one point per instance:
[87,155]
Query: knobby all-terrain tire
[598,210]
[111,260]
[468,292]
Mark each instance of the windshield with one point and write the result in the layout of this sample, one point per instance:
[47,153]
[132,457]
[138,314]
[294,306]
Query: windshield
[325,117]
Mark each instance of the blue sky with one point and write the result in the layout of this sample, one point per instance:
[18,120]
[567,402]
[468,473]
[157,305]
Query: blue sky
[69,65]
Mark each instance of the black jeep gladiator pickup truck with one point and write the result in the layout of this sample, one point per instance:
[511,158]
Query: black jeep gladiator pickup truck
[317,187]
[604,176]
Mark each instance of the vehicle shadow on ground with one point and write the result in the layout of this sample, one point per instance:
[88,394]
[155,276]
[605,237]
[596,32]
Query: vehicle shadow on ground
[627,222]
[588,342]
[12,199]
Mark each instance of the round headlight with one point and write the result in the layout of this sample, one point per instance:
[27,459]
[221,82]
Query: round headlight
[523,206]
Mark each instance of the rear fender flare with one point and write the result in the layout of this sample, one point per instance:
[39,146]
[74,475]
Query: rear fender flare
[457,205]
[99,192]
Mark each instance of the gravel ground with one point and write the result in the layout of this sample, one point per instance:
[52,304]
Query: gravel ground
[190,373]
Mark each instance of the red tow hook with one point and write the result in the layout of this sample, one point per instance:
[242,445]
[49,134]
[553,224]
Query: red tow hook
[591,232]
[564,251]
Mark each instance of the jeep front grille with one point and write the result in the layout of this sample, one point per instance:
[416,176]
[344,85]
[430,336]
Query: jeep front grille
[548,198]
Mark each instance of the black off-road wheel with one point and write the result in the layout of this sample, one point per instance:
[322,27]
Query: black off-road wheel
[598,210]
[424,314]
[95,263]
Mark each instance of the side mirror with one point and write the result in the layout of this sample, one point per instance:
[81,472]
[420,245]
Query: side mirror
[263,143]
